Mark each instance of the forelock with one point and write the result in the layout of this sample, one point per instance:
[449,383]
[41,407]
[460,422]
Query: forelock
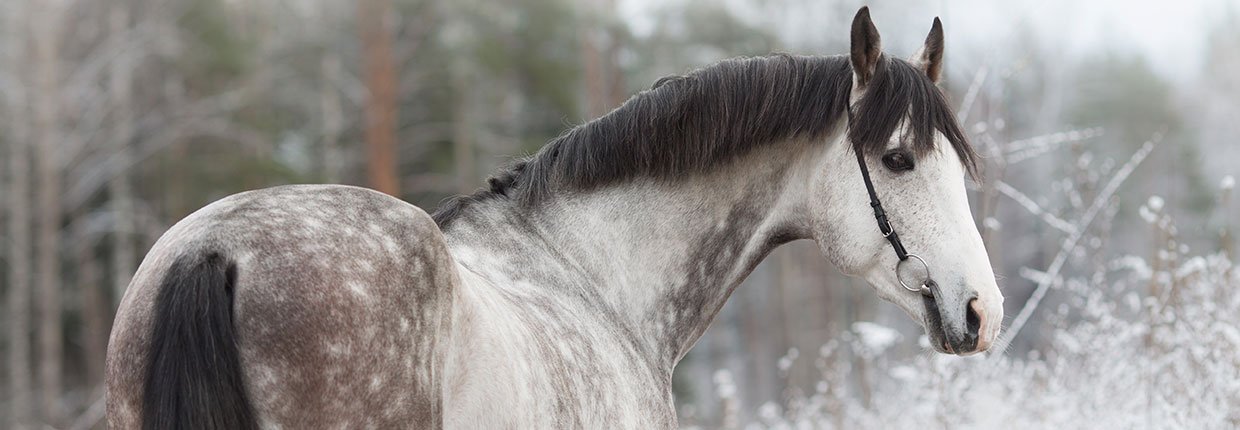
[901,94]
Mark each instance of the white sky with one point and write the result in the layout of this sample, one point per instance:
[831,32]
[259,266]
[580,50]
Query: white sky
[1171,34]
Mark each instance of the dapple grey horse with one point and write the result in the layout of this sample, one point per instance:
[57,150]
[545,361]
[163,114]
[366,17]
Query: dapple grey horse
[563,293]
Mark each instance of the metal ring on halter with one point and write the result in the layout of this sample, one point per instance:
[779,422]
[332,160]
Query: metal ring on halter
[924,288]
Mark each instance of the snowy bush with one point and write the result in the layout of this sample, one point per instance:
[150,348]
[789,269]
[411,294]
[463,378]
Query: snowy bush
[1155,362]
[1132,347]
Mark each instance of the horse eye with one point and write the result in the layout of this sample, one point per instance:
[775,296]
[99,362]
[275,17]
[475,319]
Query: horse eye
[898,161]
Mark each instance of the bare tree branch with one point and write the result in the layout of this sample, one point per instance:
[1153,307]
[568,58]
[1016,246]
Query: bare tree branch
[1081,226]
[1034,208]
[975,88]
[1024,149]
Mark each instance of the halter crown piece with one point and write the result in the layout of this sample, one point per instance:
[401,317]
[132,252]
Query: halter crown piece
[890,233]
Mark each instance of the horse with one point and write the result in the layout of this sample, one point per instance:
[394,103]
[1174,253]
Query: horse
[563,293]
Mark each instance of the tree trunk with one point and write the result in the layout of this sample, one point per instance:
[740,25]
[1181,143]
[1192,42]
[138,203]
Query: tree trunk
[46,121]
[124,255]
[604,84]
[333,118]
[617,88]
[95,297]
[381,109]
[94,331]
[592,74]
[462,135]
[18,318]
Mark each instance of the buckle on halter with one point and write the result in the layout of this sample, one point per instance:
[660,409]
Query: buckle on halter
[924,289]
[884,226]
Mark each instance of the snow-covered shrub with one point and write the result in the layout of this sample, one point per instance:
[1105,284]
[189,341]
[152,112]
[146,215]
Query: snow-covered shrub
[1143,361]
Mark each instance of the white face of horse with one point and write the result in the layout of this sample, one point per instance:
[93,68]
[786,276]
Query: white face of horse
[925,201]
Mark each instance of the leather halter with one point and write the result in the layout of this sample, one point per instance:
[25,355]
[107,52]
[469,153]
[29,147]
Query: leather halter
[890,233]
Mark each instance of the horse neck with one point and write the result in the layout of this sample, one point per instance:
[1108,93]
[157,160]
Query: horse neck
[658,258]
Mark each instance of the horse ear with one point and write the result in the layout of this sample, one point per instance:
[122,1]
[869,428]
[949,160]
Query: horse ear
[930,57]
[866,47]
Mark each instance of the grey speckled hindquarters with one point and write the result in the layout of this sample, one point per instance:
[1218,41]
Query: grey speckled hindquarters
[342,296]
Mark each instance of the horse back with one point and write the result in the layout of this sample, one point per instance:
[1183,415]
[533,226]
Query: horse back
[339,299]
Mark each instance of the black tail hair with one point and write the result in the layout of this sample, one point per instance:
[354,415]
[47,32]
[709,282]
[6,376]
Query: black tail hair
[193,374]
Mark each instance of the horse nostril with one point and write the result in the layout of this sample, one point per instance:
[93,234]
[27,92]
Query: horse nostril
[973,321]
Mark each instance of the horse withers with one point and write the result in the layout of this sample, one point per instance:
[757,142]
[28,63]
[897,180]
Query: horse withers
[564,293]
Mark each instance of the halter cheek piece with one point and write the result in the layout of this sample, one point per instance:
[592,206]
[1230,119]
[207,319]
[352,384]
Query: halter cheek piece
[890,233]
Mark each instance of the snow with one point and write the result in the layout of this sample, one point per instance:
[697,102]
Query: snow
[1123,359]
[905,373]
[1192,266]
[1155,203]
[1148,215]
[992,224]
[786,361]
[875,337]
[769,411]
[1135,264]
[725,387]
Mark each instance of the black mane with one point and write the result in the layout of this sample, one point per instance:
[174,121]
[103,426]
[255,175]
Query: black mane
[686,124]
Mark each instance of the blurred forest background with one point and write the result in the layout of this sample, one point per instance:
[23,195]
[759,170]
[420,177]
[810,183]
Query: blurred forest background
[1109,130]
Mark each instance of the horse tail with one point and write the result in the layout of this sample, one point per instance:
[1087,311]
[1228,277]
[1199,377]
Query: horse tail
[193,374]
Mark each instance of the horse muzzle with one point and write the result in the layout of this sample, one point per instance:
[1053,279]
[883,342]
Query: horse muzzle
[955,326]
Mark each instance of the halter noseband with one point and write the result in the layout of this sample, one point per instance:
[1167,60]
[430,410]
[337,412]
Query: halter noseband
[890,233]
